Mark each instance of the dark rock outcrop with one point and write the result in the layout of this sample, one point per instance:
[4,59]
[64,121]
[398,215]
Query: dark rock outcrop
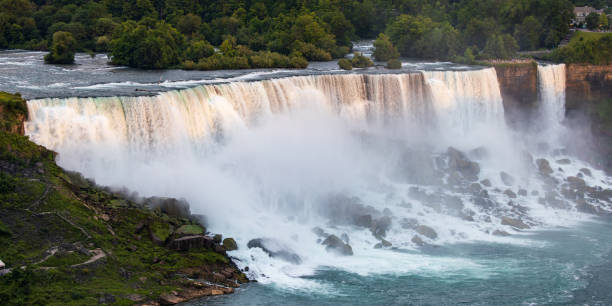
[192,242]
[544,167]
[229,244]
[274,249]
[519,88]
[336,245]
[457,161]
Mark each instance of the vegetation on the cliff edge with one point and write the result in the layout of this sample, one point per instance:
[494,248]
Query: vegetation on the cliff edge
[585,47]
[68,241]
[165,33]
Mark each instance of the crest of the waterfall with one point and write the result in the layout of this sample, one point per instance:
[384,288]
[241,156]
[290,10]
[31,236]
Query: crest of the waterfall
[551,83]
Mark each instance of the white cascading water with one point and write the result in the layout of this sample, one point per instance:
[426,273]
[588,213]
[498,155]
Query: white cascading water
[551,80]
[263,159]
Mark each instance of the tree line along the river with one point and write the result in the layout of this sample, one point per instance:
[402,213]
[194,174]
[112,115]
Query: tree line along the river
[235,34]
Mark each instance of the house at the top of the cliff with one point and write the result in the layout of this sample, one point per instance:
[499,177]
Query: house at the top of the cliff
[581,12]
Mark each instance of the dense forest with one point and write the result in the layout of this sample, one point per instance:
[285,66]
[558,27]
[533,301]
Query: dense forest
[208,34]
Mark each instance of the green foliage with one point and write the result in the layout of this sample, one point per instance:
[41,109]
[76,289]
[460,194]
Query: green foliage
[189,24]
[394,64]
[528,34]
[384,49]
[592,21]
[148,44]
[199,49]
[13,111]
[360,61]
[345,64]
[595,50]
[62,49]
[603,21]
[500,47]
[190,229]
[422,37]
[318,30]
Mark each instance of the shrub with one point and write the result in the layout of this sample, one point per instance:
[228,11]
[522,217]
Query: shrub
[394,64]
[311,52]
[148,44]
[360,61]
[345,64]
[199,49]
[298,62]
[220,61]
[384,49]
[62,49]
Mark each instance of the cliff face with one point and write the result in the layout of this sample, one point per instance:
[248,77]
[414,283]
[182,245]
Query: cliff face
[519,89]
[589,94]
[13,113]
[587,84]
[588,89]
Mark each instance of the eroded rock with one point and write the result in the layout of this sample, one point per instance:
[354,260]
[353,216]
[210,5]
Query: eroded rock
[544,167]
[336,245]
[275,249]
[426,231]
[516,223]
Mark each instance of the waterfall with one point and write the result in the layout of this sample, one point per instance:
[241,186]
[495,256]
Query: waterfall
[551,80]
[276,158]
[192,117]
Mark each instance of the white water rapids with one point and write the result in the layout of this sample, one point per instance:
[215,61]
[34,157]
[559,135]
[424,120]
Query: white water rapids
[271,159]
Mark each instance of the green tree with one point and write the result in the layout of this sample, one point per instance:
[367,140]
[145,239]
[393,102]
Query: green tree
[384,49]
[360,61]
[528,34]
[189,24]
[345,64]
[62,49]
[199,49]
[592,21]
[145,46]
[406,30]
[603,21]
[500,47]
[228,47]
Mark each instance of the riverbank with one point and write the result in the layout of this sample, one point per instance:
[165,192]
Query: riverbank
[64,239]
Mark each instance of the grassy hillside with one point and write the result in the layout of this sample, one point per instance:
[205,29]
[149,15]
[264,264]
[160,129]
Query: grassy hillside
[67,241]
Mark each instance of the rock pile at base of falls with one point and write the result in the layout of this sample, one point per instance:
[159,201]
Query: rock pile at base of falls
[275,249]
[459,162]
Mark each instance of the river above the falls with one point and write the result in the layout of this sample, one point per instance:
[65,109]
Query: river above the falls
[25,72]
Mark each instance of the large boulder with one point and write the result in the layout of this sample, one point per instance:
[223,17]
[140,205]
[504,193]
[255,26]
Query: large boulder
[417,167]
[506,178]
[336,245]
[457,161]
[544,167]
[169,206]
[426,231]
[275,249]
[346,210]
[192,242]
[380,226]
[516,223]
[229,244]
